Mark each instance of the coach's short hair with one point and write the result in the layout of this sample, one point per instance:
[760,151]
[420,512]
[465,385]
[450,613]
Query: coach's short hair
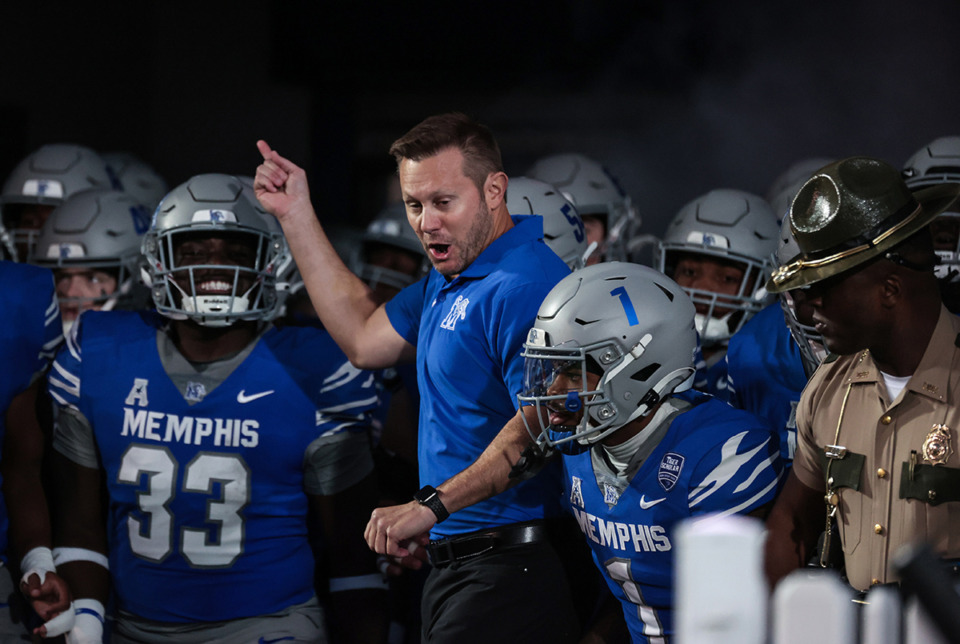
[481,154]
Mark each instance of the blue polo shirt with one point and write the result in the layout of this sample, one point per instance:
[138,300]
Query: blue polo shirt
[469,334]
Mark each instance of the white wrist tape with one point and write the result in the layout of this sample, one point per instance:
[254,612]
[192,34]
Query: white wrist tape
[40,561]
[88,627]
[61,623]
[374,581]
[66,555]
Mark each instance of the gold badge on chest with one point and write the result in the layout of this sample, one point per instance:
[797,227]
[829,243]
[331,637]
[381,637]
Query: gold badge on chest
[936,446]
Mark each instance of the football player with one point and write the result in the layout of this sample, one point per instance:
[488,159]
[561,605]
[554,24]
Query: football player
[939,162]
[607,211]
[30,337]
[564,230]
[92,243]
[389,256]
[769,360]
[226,446]
[40,182]
[718,247]
[608,367]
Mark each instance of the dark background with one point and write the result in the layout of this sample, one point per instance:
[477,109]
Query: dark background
[676,98]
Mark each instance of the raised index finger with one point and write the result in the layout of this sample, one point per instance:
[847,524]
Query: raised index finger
[274,156]
[265,150]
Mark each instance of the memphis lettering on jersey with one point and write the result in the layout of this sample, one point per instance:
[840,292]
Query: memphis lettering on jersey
[622,536]
[190,430]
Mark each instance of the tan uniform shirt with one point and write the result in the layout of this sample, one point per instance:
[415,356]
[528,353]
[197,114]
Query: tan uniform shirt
[875,520]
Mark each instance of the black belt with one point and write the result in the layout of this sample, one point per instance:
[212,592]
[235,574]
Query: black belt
[473,544]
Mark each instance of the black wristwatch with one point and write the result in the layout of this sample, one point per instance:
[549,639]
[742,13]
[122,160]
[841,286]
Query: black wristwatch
[429,497]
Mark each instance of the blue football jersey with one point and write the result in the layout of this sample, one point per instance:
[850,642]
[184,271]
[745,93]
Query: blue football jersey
[765,374]
[31,330]
[712,378]
[207,516]
[712,459]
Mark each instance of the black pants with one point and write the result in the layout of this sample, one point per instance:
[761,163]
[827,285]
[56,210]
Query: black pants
[516,594]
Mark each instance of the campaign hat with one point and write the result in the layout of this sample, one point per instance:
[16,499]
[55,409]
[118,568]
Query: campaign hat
[851,211]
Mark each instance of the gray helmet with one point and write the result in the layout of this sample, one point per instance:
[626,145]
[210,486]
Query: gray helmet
[46,177]
[135,177]
[935,163]
[594,191]
[812,350]
[217,204]
[728,225]
[389,228]
[629,324]
[786,186]
[99,229]
[562,225]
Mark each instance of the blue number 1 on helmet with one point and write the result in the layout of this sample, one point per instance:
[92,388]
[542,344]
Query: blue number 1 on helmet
[627,305]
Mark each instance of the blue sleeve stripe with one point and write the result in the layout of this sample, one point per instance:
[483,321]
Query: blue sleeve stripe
[89,611]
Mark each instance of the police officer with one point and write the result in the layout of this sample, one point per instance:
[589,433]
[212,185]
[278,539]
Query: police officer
[877,424]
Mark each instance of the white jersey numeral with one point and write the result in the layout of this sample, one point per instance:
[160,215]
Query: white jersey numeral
[216,545]
[619,571]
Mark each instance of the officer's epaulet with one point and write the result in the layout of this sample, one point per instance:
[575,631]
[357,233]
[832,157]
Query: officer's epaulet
[831,357]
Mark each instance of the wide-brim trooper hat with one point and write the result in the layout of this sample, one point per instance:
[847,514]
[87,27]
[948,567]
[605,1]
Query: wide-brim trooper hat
[851,211]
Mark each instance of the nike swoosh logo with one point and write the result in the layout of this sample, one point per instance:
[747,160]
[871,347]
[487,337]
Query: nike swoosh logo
[242,398]
[646,505]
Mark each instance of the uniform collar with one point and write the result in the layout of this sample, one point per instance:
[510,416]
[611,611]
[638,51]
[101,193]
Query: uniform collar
[526,228]
[931,379]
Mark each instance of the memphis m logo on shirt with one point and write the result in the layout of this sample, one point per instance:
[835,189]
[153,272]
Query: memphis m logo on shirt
[458,311]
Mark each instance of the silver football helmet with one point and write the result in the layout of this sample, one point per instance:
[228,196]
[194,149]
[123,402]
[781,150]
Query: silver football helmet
[562,226]
[786,186]
[812,349]
[939,162]
[725,225]
[45,178]
[594,191]
[216,294]
[389,229]
[627,324]
[136,177]
[98,229]
[936,162]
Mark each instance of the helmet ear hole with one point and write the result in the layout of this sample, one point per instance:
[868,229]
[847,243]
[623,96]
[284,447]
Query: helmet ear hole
[593,366]
[644,374]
